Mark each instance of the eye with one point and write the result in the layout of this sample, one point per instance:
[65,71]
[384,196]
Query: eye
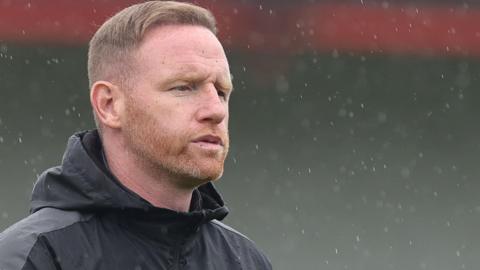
[221,94]
[183,88]
[222,91]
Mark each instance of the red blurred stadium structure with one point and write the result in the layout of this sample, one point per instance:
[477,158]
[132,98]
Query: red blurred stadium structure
[287,28]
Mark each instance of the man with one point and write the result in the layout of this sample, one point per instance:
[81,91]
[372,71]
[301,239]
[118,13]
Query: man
[136,194]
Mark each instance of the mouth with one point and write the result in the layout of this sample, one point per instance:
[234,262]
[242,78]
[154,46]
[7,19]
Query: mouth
[209,142]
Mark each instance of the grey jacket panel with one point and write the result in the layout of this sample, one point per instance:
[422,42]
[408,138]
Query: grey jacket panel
[17,241]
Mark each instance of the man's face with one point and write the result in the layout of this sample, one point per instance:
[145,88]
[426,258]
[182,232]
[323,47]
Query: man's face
[176,114]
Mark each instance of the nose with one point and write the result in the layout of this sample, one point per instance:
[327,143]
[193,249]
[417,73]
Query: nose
[213,108]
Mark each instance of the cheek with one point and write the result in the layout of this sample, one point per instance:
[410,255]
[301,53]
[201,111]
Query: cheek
[141,117]
[137,110]
[162,116]
[172,121]
[225,121]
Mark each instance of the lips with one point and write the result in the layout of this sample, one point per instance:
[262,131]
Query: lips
[209,139]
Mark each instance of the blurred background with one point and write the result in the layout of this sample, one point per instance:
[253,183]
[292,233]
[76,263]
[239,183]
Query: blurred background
[354,124]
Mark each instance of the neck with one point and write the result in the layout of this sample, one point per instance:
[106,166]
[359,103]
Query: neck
[153,186]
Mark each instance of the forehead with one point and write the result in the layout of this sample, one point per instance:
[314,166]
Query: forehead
[176,48]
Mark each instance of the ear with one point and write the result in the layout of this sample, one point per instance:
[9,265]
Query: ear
[107,101]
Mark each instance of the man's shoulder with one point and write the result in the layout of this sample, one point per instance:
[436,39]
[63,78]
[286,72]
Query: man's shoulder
[43,221]
[243,244]
[229,230]
[17,241]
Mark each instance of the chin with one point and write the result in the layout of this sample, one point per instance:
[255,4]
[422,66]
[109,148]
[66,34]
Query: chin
[208,174]
[215,176]
[194,181]
[198,174]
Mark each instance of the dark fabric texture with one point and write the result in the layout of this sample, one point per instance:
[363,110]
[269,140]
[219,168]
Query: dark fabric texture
[83,218]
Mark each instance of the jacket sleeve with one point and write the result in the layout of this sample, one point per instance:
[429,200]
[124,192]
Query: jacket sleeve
[40,258]
[25,255]
[263,262]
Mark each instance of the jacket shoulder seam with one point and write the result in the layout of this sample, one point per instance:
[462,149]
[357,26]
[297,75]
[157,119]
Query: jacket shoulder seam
[261,257]
[230,229]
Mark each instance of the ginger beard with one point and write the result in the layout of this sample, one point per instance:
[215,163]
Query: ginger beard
[167,149]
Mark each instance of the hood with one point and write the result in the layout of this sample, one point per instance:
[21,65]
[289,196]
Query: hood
[83,183]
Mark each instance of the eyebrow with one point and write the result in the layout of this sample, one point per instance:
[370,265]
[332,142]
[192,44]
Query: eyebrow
[226,83]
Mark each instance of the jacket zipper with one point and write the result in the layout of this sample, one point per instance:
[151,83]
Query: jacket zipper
[178,260]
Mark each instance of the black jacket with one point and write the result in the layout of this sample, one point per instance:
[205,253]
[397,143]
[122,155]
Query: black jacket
[83,218]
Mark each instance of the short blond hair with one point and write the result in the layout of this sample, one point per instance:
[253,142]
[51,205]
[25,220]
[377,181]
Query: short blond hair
[110,49]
